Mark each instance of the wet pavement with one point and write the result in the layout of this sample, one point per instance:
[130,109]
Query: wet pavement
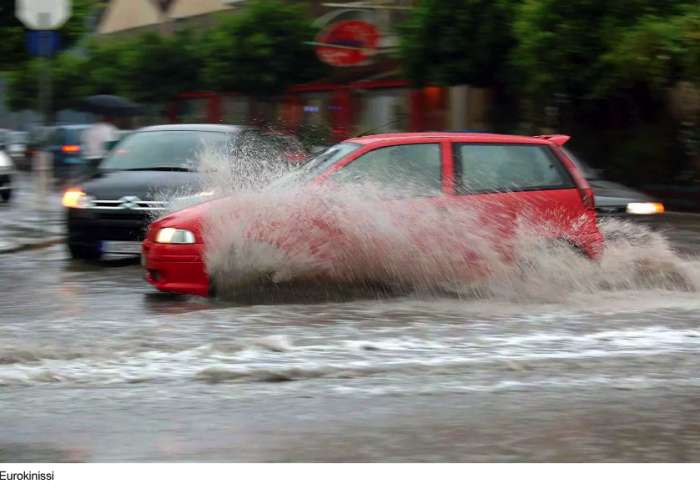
[29,221]
[96,366]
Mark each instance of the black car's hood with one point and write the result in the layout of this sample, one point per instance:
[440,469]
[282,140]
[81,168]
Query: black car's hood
[606,188]
[146,185]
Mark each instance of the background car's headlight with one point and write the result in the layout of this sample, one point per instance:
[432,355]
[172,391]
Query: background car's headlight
[645,208]
[5,162]
[175,236]
[76,198]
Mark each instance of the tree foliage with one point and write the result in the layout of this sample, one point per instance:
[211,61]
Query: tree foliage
[145,68]
[261,50]
[593,49]
[452,42]
[160,67]
[107,66]
[68,83]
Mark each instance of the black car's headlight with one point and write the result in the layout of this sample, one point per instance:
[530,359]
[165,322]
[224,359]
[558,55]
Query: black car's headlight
[76,198]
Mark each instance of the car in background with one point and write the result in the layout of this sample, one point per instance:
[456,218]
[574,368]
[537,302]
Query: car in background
[65,145]
[4,139]
[108,212]
[613,199]
[17,145]
[492,176]
[7,170]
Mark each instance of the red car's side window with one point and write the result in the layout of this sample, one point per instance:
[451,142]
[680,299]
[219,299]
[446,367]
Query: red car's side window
[486,167]
[407,170]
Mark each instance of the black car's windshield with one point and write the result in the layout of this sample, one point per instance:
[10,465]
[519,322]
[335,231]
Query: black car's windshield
[318,164]
[163,150]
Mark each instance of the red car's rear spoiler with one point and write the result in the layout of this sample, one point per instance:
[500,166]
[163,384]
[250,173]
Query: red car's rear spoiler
[558,139]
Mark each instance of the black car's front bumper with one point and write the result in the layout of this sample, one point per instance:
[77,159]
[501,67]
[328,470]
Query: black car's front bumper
[90,227]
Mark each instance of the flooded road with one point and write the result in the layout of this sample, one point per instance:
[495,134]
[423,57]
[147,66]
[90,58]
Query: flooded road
[95,366]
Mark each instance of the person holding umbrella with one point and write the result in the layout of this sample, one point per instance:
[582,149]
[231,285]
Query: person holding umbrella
[96,137]
[103,131]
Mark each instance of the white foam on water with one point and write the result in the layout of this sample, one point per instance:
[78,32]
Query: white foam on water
[277,357]
[620,382]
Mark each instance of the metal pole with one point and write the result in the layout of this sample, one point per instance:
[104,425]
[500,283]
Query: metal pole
[45,76]
[45,163]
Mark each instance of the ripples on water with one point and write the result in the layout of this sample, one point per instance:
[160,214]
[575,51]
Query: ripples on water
[248,347]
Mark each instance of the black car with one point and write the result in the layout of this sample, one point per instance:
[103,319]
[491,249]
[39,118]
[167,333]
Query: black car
[109,212]
[65,145]
[616,200]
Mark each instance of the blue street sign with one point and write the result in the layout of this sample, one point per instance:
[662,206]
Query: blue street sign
[43,43]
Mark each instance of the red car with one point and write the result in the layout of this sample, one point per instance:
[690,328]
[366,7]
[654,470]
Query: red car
[505,177]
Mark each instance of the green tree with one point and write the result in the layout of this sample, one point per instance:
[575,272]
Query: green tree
[658,51]
[452,42]
[588,50]
[107,66]
[13,51]
[161,67]
[68,81]
[261,50]
[148,68]
[689,25]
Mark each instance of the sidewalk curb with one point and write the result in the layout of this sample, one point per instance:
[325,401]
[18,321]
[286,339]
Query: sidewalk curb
[57,229]
[32,245]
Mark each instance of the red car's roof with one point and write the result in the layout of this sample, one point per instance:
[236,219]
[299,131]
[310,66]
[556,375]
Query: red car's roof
[472,137]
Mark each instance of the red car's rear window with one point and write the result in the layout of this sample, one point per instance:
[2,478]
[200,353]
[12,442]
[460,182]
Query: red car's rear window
[489,167]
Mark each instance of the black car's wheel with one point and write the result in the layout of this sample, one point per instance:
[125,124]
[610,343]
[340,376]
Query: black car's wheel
[6,194]
[84,252]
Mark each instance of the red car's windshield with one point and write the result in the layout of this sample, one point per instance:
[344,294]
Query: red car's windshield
[318,164]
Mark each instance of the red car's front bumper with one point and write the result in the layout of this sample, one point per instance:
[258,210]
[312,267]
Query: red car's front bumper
[176,268]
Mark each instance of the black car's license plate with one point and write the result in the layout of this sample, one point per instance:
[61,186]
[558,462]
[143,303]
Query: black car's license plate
[122,247]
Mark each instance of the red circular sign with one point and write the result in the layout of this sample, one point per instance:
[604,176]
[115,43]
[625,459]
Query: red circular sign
[347,43]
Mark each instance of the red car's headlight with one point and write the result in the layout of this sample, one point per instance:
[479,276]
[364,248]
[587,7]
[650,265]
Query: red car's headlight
[175,236]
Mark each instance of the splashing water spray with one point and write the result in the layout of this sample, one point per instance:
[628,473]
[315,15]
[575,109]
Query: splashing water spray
[265,229]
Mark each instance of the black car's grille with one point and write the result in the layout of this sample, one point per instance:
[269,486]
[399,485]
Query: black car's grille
[120,215]
[129,204]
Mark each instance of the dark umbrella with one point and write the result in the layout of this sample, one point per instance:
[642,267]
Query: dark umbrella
[110,105]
